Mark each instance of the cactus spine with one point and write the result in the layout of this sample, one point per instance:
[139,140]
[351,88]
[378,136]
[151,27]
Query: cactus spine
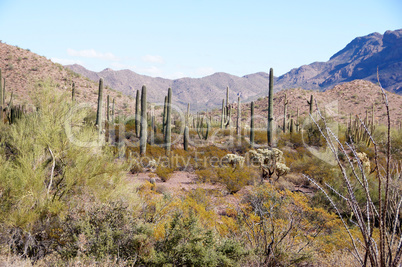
[137,119]
[238,117]
[186,137]
[144,123]
[168,136]
[311,103]
[285,105]
[270,129]
[99,111]
[252,125]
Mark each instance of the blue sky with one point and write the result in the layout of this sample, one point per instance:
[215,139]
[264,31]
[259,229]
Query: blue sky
[192,38]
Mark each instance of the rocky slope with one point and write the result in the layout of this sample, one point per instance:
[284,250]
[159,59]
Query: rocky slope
[25,72]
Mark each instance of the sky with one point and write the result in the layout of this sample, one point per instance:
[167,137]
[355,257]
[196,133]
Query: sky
[192,38]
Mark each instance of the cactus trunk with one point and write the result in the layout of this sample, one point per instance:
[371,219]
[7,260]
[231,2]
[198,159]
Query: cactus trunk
[108,109]
[252,125]
[285,105]
[99,110]
[168,136]
[144,123]
[238,116]
[113,112]
[311,103]
[72,92]
[186,137]
[137,119]
[1,90]
[270,129]
[164,117]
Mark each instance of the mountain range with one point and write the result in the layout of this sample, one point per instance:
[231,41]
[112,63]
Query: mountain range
[360,59]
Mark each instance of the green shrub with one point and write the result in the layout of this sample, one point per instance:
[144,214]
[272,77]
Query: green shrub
[187,244]
[236,178]
[164,173]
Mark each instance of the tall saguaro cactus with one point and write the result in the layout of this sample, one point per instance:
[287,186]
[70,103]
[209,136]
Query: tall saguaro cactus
[113,112]
[108,108]
[252,134]
[72,92]
[137,119]
[270,129]
[238,116]
[311,103]
[1,98]
[226,111]
[164,116]
[285,105]
[168,136]
[99,110]
[144,123]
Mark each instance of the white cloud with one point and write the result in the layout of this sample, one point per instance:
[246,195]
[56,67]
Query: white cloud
[64,61]
[152,59]
[91,53]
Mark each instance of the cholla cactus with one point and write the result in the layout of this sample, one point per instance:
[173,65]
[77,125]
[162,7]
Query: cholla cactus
[270,160]
[365,161]
[234,160]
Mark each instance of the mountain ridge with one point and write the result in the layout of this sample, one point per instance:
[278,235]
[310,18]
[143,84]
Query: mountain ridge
[359,59]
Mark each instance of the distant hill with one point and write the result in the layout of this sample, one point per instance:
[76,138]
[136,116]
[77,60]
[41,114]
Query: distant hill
[358,60]
[24,70]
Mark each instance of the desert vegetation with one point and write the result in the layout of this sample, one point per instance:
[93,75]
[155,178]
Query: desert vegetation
[82,186]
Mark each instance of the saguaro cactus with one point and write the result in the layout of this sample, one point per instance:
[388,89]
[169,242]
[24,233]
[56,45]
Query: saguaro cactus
[168,136]
[144,123]
[285,105]
[252,125]
[226,111]
[270,129]
[1,98]
[188,115]
[165,102]
[72,92]
[311,103]
[153,127]
[297,123]
[4,91]
[186,138]
[137,119]
[238,116]
[291,125]
[108,108]
[113,112]
[203,134]
[99,110]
